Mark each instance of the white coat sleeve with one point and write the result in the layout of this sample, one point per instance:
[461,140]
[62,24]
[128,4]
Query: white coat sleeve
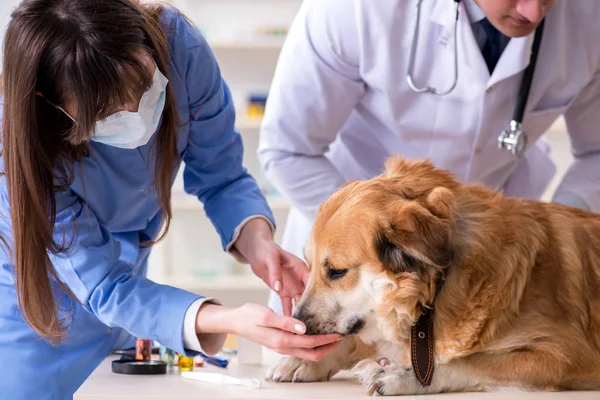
[315,87]
[580,186]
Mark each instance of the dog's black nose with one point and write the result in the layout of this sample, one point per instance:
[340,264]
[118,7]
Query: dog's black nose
[308,319]
[355,326]
[299,314]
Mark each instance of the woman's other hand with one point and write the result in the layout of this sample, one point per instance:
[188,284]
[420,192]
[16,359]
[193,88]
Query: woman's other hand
[283,272]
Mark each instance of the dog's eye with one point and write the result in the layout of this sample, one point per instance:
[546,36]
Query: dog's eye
[334,274]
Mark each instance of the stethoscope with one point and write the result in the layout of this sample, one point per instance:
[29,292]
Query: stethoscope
[514,139]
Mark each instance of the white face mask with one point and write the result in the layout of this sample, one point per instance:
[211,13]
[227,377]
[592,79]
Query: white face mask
[129,130]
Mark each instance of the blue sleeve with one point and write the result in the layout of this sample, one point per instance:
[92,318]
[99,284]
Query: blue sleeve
[213,162]
[106,286]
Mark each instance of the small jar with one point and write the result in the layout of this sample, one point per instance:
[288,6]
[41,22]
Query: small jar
[143,349]
[168,356]
[186,363]
[199,361]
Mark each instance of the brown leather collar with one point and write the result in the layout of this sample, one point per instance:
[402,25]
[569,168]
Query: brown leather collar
[421,340]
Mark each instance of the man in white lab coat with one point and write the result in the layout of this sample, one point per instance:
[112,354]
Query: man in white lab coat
[340,103]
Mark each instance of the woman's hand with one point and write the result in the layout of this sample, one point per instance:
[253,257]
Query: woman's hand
[260,324]
[280,270]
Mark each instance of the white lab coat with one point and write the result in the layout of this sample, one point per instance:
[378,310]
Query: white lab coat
[340,104]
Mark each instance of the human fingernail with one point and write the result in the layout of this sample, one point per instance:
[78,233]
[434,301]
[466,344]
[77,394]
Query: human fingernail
[299,328]
[277,286]
[340,339]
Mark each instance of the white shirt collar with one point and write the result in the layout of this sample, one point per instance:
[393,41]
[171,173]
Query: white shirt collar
[474,12]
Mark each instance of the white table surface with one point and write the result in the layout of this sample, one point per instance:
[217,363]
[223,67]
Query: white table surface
[103,384]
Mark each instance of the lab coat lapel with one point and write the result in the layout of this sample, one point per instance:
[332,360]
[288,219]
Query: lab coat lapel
[442,13]
[471,65]
[514,59]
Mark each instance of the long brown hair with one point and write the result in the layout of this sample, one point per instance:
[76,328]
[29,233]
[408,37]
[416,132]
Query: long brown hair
[86,53]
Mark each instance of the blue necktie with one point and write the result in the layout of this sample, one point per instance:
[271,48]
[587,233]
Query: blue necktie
[491,47]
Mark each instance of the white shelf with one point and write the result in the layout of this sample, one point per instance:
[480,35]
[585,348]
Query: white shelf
[238,1]
[188,202]
[220,282]
[222,44]
[245,123]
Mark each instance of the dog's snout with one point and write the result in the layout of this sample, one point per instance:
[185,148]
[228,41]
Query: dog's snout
[308,318]
[317,320]
[355,326]
[299,314]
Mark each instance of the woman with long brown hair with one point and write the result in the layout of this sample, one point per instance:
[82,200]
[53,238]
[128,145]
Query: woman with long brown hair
[102,101]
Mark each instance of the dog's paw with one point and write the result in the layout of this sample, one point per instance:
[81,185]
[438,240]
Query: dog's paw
[292,369]
[386,378]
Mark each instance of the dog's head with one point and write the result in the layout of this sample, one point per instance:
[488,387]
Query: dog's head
[377,248]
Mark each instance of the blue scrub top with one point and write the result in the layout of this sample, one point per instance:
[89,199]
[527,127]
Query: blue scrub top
[111,207]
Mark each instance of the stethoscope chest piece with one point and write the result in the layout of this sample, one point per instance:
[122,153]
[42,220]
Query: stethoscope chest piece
[514,140]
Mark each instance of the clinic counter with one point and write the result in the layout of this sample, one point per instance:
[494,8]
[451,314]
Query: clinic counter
[103,384]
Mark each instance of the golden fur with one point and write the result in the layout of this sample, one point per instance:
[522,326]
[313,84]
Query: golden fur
[520,306]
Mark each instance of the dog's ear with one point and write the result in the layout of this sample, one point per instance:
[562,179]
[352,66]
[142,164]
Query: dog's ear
[419,235]
[442,203]
[415,178]
[392,255]
[415,255]
[432,239]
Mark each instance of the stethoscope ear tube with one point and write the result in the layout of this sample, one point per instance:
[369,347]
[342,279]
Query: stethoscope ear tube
[413,50]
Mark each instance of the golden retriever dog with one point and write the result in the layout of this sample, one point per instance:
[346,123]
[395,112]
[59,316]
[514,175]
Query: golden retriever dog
[518,303]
